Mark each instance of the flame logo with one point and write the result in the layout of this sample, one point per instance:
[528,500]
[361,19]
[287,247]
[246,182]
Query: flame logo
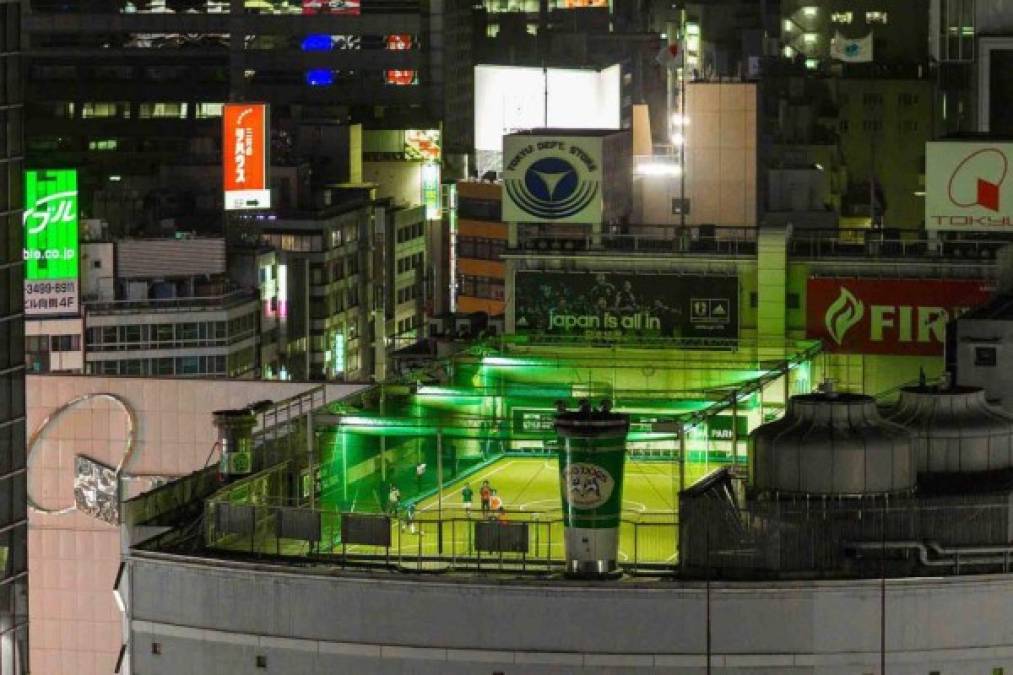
[842,314]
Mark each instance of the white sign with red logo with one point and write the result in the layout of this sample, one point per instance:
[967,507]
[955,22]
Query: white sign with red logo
[968,187]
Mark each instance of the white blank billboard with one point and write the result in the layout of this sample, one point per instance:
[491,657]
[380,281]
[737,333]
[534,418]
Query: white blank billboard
[512,98]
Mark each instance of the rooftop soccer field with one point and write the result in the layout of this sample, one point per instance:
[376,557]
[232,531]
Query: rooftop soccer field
[489,415]
[529,488]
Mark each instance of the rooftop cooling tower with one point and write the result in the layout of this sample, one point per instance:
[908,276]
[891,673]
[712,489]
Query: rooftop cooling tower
[831,444]
[956,430]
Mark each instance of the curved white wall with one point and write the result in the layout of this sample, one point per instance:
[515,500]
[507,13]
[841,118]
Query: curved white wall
[210,618]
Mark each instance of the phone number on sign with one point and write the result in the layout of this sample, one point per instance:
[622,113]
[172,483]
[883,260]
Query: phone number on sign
[41,287]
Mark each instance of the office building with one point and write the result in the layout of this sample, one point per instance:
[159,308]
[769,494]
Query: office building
[120,89]
[13,517]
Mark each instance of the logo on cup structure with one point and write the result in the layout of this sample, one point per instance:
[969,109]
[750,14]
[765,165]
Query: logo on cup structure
[843,314]
[978,178]
[552,188]
[588,486]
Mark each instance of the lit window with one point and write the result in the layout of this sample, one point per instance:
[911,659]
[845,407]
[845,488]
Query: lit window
[842,17]
[812,64]
[788,52]
[788,25]
[98,110]
[163,110]
[875,17]
[103,144]
[810,38]
[209,110]
[810,12]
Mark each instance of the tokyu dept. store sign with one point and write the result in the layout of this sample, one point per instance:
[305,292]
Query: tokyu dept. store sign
[51,242]
[968,187]
[552,180]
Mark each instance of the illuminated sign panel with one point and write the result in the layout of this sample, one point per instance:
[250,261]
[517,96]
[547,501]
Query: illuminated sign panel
[339,353]
[431,190]
[401,78]
[51,242]
[422,144]
[968,186]
[888,316]
[244,156]
[346,7]
[552,179]
[514,98]
[610,305]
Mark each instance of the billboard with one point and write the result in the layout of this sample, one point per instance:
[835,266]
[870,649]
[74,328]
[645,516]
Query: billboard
[966,186]
[552,179]
[51,242]
[244,156]
[514,98]
[346,7]
[888,316]
[612,305]
[401,78]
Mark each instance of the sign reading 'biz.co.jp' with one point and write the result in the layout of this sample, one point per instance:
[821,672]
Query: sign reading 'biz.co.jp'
[549,179]
[888,316]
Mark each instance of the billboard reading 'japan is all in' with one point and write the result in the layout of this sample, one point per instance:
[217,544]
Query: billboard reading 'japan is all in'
[612,305]
[51,242]
[244,156]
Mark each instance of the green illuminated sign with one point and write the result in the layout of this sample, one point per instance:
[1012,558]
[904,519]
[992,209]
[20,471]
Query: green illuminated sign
[431,190]
[719,427]
[51,242]
[50,220]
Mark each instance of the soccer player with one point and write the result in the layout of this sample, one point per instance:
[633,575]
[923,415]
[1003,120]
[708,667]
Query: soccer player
[485,494]
[466,497]
[495,502]
[393,499]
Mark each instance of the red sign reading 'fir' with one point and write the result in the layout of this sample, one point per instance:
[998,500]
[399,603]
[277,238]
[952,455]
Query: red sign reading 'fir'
[888,316]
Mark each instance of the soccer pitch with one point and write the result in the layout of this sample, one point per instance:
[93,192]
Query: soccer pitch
[529,488]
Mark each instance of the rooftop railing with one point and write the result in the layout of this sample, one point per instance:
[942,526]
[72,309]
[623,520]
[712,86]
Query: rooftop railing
[223,301]
[732,242]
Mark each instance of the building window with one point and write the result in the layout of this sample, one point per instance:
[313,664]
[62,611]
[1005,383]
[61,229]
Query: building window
[65,343]
[986,357]
[875,17]
[843,125]
[209,110]
[872,99]
[261,661]
[171,110]
[872,125]
[841,17]
[156,648]
[103,144]
[92,110]
[907,99]
[909,125]
[489,288]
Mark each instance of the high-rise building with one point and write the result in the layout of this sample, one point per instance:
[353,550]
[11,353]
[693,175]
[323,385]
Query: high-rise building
[13,515]
[122,87]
